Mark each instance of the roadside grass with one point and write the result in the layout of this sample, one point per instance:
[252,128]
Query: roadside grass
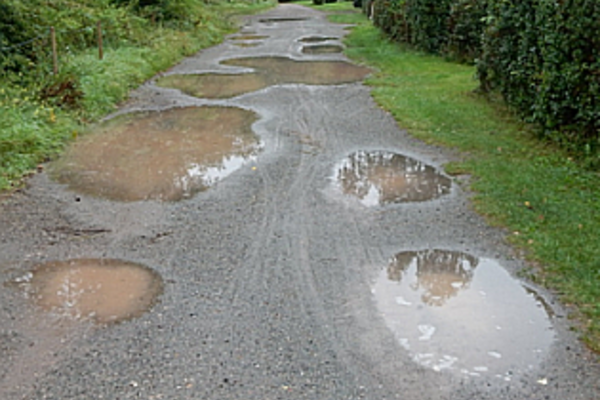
[33,131]
[548,203]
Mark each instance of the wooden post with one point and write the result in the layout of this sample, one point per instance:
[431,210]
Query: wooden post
[100,50]
[54,52]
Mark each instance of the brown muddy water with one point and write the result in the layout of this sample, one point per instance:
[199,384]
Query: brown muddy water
[322,49]
[317,39]
[269,71]
[280,20]
[248,37]
[379,177]
[166,156]
[103,290]
[452,311]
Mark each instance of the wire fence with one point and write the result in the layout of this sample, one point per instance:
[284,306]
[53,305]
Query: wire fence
[51,34]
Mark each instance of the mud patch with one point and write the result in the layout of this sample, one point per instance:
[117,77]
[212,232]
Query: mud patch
[322,49]
[269,71]
[105,291]
[452,311]
[378,178]
[165,156]
[317,39]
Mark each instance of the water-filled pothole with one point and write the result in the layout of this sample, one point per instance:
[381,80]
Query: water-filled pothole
[247,44]
[317,39]
[248,37]
[322,49]
[166,155]
[380,177]
[278,20]
[269,71]
[103,290]
[453,311]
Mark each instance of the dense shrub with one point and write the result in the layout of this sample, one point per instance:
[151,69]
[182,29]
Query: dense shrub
[466,23]
[544,57]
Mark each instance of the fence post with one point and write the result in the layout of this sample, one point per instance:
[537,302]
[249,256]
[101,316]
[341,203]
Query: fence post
[54,52]
[100,50]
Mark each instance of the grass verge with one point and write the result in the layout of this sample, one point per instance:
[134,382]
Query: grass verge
[549,203]
[34,130]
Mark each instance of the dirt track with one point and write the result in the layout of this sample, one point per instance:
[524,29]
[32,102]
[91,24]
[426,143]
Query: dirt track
[268,274]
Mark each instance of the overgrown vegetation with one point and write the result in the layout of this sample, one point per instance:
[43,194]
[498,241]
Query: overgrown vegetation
[40,112]
[549,204]
[542,56]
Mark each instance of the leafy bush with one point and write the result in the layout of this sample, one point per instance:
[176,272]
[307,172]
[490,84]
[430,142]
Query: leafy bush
[466,24]
[544,57]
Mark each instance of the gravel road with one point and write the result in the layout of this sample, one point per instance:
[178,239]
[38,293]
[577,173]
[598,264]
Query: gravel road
[269,275]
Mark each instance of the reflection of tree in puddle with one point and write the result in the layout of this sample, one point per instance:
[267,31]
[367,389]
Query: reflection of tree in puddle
[439,274]
[383,177]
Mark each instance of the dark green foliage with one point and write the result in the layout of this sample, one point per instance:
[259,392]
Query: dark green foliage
[544,57]
[466,23]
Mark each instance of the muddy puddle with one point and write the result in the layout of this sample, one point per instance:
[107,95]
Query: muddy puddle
[248,37]
[317,39]
[281,20]
[269,71]
[378,178]
[452,311]
[105,291]
[166,156]
[322,49]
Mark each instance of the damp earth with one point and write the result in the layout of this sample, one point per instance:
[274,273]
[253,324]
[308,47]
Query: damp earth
[269,71]
[103,290]
[167,155]
[453,311]
[380,177]
[322,49]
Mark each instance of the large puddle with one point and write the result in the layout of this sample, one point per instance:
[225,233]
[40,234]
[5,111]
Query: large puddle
[322,49]
[167,155]
[317,39]
[105,291]
[269,71]
[452,311]
[378,178]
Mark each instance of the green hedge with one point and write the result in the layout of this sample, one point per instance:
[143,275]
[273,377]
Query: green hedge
[543,56]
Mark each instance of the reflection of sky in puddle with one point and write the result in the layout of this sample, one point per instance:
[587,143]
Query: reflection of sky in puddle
[379,177]
[206,176]
[451,311]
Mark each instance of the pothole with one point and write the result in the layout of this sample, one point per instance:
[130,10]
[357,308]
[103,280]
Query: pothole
[279,20]
[214,86]
[248,37]
[322,49]
[247,44]
[168,155]
[317,39]
[279,70]
[453,311]
[102,290]
[380,177]
[269,71]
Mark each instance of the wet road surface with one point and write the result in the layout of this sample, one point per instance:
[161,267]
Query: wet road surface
[335,260]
